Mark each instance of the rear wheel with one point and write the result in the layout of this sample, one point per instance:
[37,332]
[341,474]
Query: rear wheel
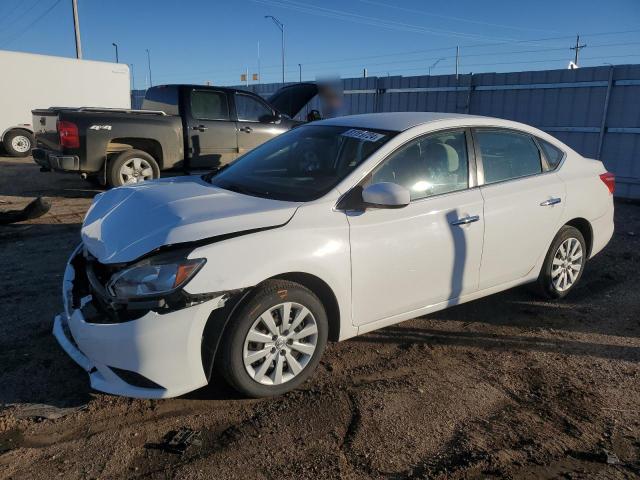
[18,143]
[131,167]
[275,341]
[564,263]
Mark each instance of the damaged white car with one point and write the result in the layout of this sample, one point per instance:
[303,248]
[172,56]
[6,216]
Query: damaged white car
[331,230]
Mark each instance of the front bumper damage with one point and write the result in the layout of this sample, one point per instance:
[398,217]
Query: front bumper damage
[157,355]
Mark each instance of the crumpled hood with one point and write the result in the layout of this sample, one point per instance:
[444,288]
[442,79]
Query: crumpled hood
[128,222]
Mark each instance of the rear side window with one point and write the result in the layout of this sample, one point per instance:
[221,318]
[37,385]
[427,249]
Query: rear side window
[251,109]
[507,155]
[206,105]
[161,98]
[554,155]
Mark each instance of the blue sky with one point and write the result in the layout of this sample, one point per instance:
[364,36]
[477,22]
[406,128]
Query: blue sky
[199,41]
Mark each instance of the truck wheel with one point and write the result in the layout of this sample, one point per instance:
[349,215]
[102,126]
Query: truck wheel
[18,143]
[131,167]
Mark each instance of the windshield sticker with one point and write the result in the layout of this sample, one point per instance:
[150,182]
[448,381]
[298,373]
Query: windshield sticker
[363,135]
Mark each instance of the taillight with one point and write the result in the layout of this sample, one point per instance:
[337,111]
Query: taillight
[609,180]
[68,132]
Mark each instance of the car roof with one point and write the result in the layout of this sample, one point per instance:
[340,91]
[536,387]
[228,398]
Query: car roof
[398,121]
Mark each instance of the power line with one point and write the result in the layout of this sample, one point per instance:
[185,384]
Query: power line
[458,19]
[413,61]
[12,19]
[372,21]
[36,20]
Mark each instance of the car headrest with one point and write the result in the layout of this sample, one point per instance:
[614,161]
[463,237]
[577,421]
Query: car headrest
[441,157]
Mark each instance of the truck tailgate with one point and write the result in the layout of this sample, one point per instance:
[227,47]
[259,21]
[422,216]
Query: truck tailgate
[44,126]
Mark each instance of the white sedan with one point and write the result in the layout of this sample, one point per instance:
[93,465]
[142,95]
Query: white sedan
[329,231]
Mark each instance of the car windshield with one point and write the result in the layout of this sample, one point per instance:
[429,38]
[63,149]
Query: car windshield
[302,164]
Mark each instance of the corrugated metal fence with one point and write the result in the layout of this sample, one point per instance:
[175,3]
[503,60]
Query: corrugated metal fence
[594,110]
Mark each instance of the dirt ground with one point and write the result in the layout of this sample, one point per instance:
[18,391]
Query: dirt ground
[504,387]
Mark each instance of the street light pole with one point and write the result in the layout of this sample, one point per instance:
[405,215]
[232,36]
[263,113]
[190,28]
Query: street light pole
[300,69]
[116,45]
[434,64]
[149,65]
[280,25]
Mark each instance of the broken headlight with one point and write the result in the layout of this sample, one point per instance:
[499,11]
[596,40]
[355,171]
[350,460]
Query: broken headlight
[152,279]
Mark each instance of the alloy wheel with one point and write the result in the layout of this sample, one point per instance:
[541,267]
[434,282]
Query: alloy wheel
[566,265]
[136,170]
[280,343]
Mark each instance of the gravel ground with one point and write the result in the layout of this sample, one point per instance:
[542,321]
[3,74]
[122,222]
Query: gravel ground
[507,386]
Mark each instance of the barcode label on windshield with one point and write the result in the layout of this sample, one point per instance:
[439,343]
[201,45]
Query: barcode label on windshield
[363,135]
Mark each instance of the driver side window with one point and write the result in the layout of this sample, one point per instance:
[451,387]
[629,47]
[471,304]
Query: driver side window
[430,165]
[250,109]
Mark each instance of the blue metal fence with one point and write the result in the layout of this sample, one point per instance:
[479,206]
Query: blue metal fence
[595,110]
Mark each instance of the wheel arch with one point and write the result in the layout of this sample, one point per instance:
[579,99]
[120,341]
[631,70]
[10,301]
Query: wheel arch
[148,145]
[584,227]
[217,322]
[16,127]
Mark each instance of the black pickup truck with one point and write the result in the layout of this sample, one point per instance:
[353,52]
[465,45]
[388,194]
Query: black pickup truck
[185,127]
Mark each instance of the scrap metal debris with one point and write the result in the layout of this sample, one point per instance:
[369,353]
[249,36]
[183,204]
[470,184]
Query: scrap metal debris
[41,410]
[36,208]
[178,441]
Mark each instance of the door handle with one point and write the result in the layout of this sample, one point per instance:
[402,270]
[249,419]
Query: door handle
[246,129]
[551,201]
[200,128]
[466,220]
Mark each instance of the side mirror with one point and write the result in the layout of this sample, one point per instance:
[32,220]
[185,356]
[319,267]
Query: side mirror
[313,115]
[386,195]
[275,118]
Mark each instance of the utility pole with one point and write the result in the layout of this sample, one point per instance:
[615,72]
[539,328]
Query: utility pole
[457,60]
[280,25]
[116,45]
[246,76]
[259,77]
[577,48]
[133,77]
[76,26]
[364,73]
[149,66]
[300,70]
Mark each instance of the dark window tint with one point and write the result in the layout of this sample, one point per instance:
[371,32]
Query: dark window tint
[553,154]
[507,155]
[301,164]
[209,105]
[251,109]
[161,98]
[431,165]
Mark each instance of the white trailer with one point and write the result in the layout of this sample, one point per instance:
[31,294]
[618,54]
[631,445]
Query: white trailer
[29,81]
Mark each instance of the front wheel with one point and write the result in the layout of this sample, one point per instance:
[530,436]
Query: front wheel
[564,263]
[275,341]
[131,167]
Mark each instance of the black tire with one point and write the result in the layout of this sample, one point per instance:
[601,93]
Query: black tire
[546,285]
[116,163]
[269,294]
[25,140]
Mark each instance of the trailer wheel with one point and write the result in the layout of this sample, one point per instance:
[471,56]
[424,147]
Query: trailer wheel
[131,167]
[18,143]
